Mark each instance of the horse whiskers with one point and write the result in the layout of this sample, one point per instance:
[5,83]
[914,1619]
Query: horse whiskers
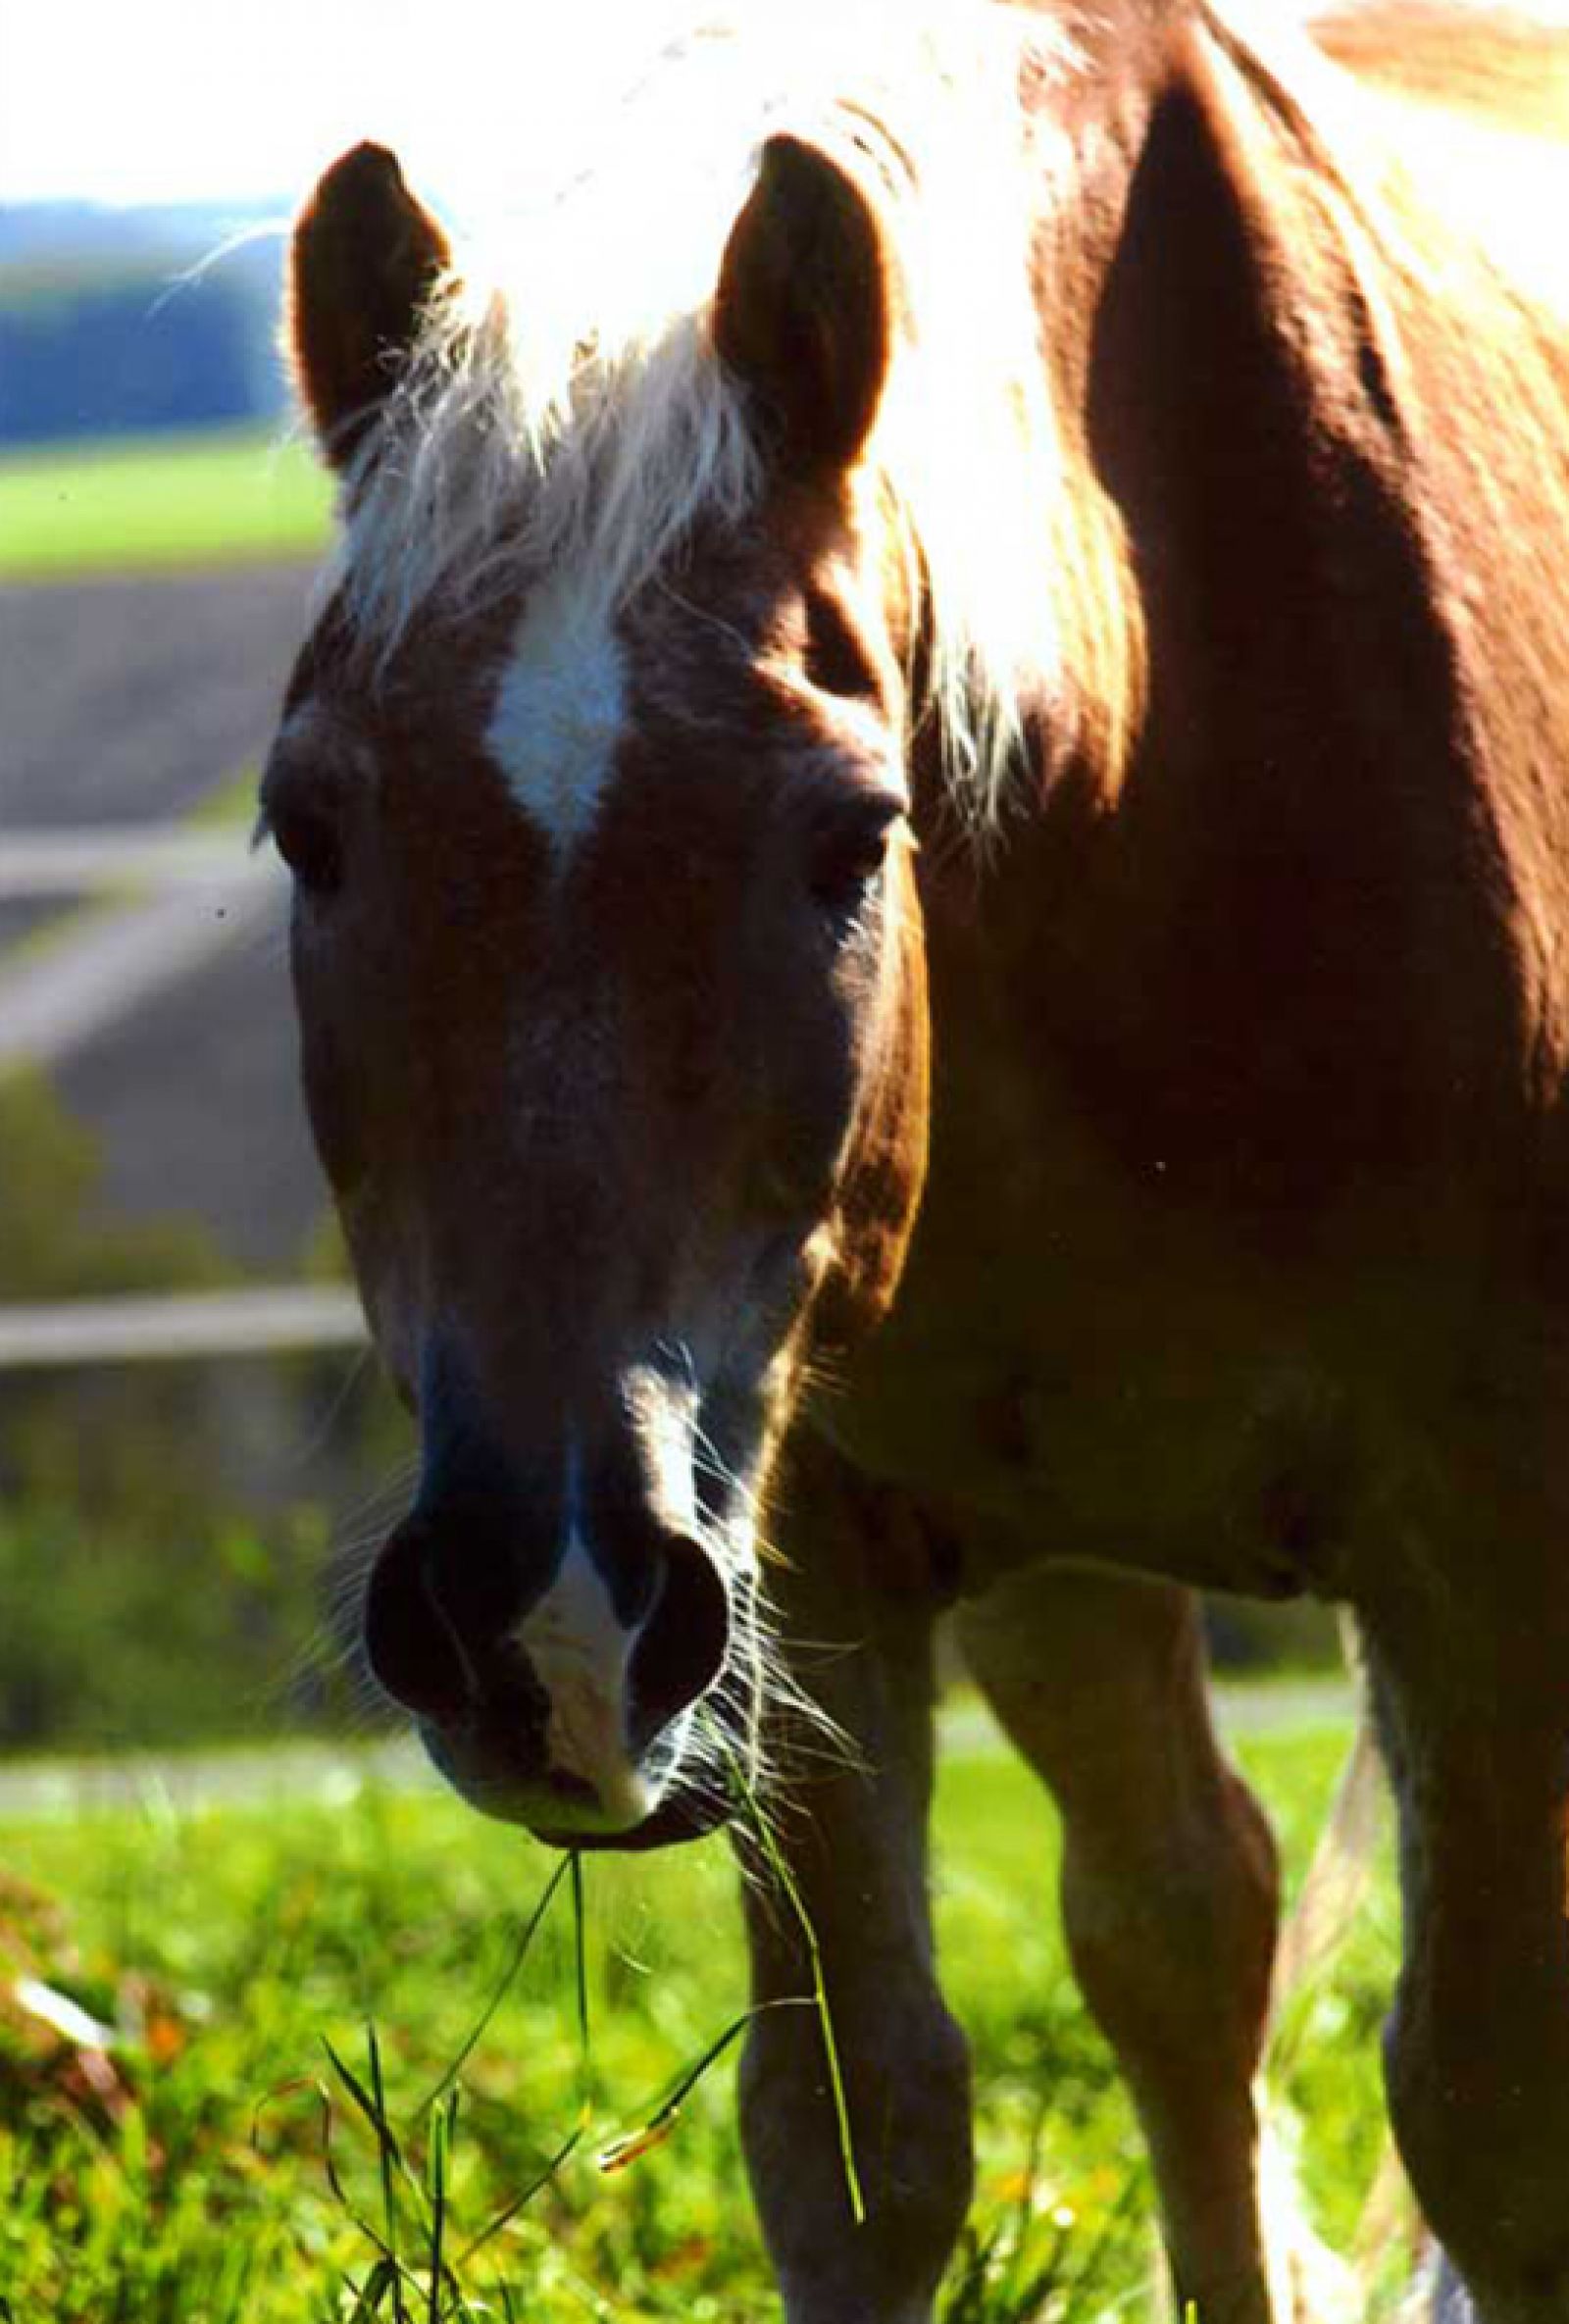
[329,1659]
[797,1730]
[384,1501]
[318,1433]
[347,1578]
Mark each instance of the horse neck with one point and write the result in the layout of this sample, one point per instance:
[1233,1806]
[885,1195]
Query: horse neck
[1290,423]
[1236,359]
[1210,295]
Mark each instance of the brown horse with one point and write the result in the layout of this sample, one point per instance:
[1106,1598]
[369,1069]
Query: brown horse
[931,810]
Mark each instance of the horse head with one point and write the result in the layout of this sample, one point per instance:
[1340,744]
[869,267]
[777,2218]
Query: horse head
[609,971]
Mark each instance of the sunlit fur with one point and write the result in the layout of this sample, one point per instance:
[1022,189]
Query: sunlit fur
[1414,112]
[564,409]
[1506,66]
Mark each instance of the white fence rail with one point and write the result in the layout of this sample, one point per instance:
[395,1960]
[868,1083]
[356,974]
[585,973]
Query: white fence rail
[179,1327]
[128,856]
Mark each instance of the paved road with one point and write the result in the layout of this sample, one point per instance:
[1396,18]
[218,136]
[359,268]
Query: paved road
[46,1789]
[168,1028]
[166,1023]
[1242,1708]
[126,701]
[197,1103]
[54,1790]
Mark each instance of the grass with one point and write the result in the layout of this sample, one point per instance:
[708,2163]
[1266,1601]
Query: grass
[244,2152]
[159,502]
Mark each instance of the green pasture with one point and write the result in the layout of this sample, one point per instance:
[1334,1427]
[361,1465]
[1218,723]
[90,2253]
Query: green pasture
[218,2163]
[159,503]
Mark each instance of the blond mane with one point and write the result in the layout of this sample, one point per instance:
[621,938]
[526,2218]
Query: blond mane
[565,409]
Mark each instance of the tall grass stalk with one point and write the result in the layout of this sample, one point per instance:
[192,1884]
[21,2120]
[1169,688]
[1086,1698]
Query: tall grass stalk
[763,1831]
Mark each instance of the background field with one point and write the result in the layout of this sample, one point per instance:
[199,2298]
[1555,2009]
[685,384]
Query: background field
[179,2177]
[159,502]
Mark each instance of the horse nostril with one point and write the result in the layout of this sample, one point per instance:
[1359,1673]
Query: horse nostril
[680,1648]
[408,1643]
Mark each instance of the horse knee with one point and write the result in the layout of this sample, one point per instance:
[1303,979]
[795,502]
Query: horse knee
[906,2086]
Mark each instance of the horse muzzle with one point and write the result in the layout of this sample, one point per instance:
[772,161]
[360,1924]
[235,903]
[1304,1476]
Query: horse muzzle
[573,1708]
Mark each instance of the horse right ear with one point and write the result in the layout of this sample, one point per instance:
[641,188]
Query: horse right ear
[365,259]
[803,313]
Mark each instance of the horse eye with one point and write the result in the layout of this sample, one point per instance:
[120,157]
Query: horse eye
[847,859]
[307,839]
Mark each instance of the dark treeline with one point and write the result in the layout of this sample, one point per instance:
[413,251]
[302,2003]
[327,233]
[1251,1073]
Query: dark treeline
[105,329]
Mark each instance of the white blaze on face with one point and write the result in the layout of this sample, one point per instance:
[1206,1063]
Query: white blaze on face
[560,712]
[580,1653]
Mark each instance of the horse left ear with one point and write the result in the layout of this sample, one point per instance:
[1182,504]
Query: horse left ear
[803,313]
[364,261]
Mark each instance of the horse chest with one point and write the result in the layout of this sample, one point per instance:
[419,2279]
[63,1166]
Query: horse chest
[1073,1370]
[1140,1304]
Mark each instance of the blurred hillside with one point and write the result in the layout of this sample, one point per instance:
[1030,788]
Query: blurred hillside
[120,322]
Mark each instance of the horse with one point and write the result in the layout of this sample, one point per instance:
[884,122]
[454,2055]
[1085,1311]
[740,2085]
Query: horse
[929,838]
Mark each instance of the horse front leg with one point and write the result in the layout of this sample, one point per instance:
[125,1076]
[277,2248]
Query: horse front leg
[1169,1896]
[1473,1702]
[847,1821]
